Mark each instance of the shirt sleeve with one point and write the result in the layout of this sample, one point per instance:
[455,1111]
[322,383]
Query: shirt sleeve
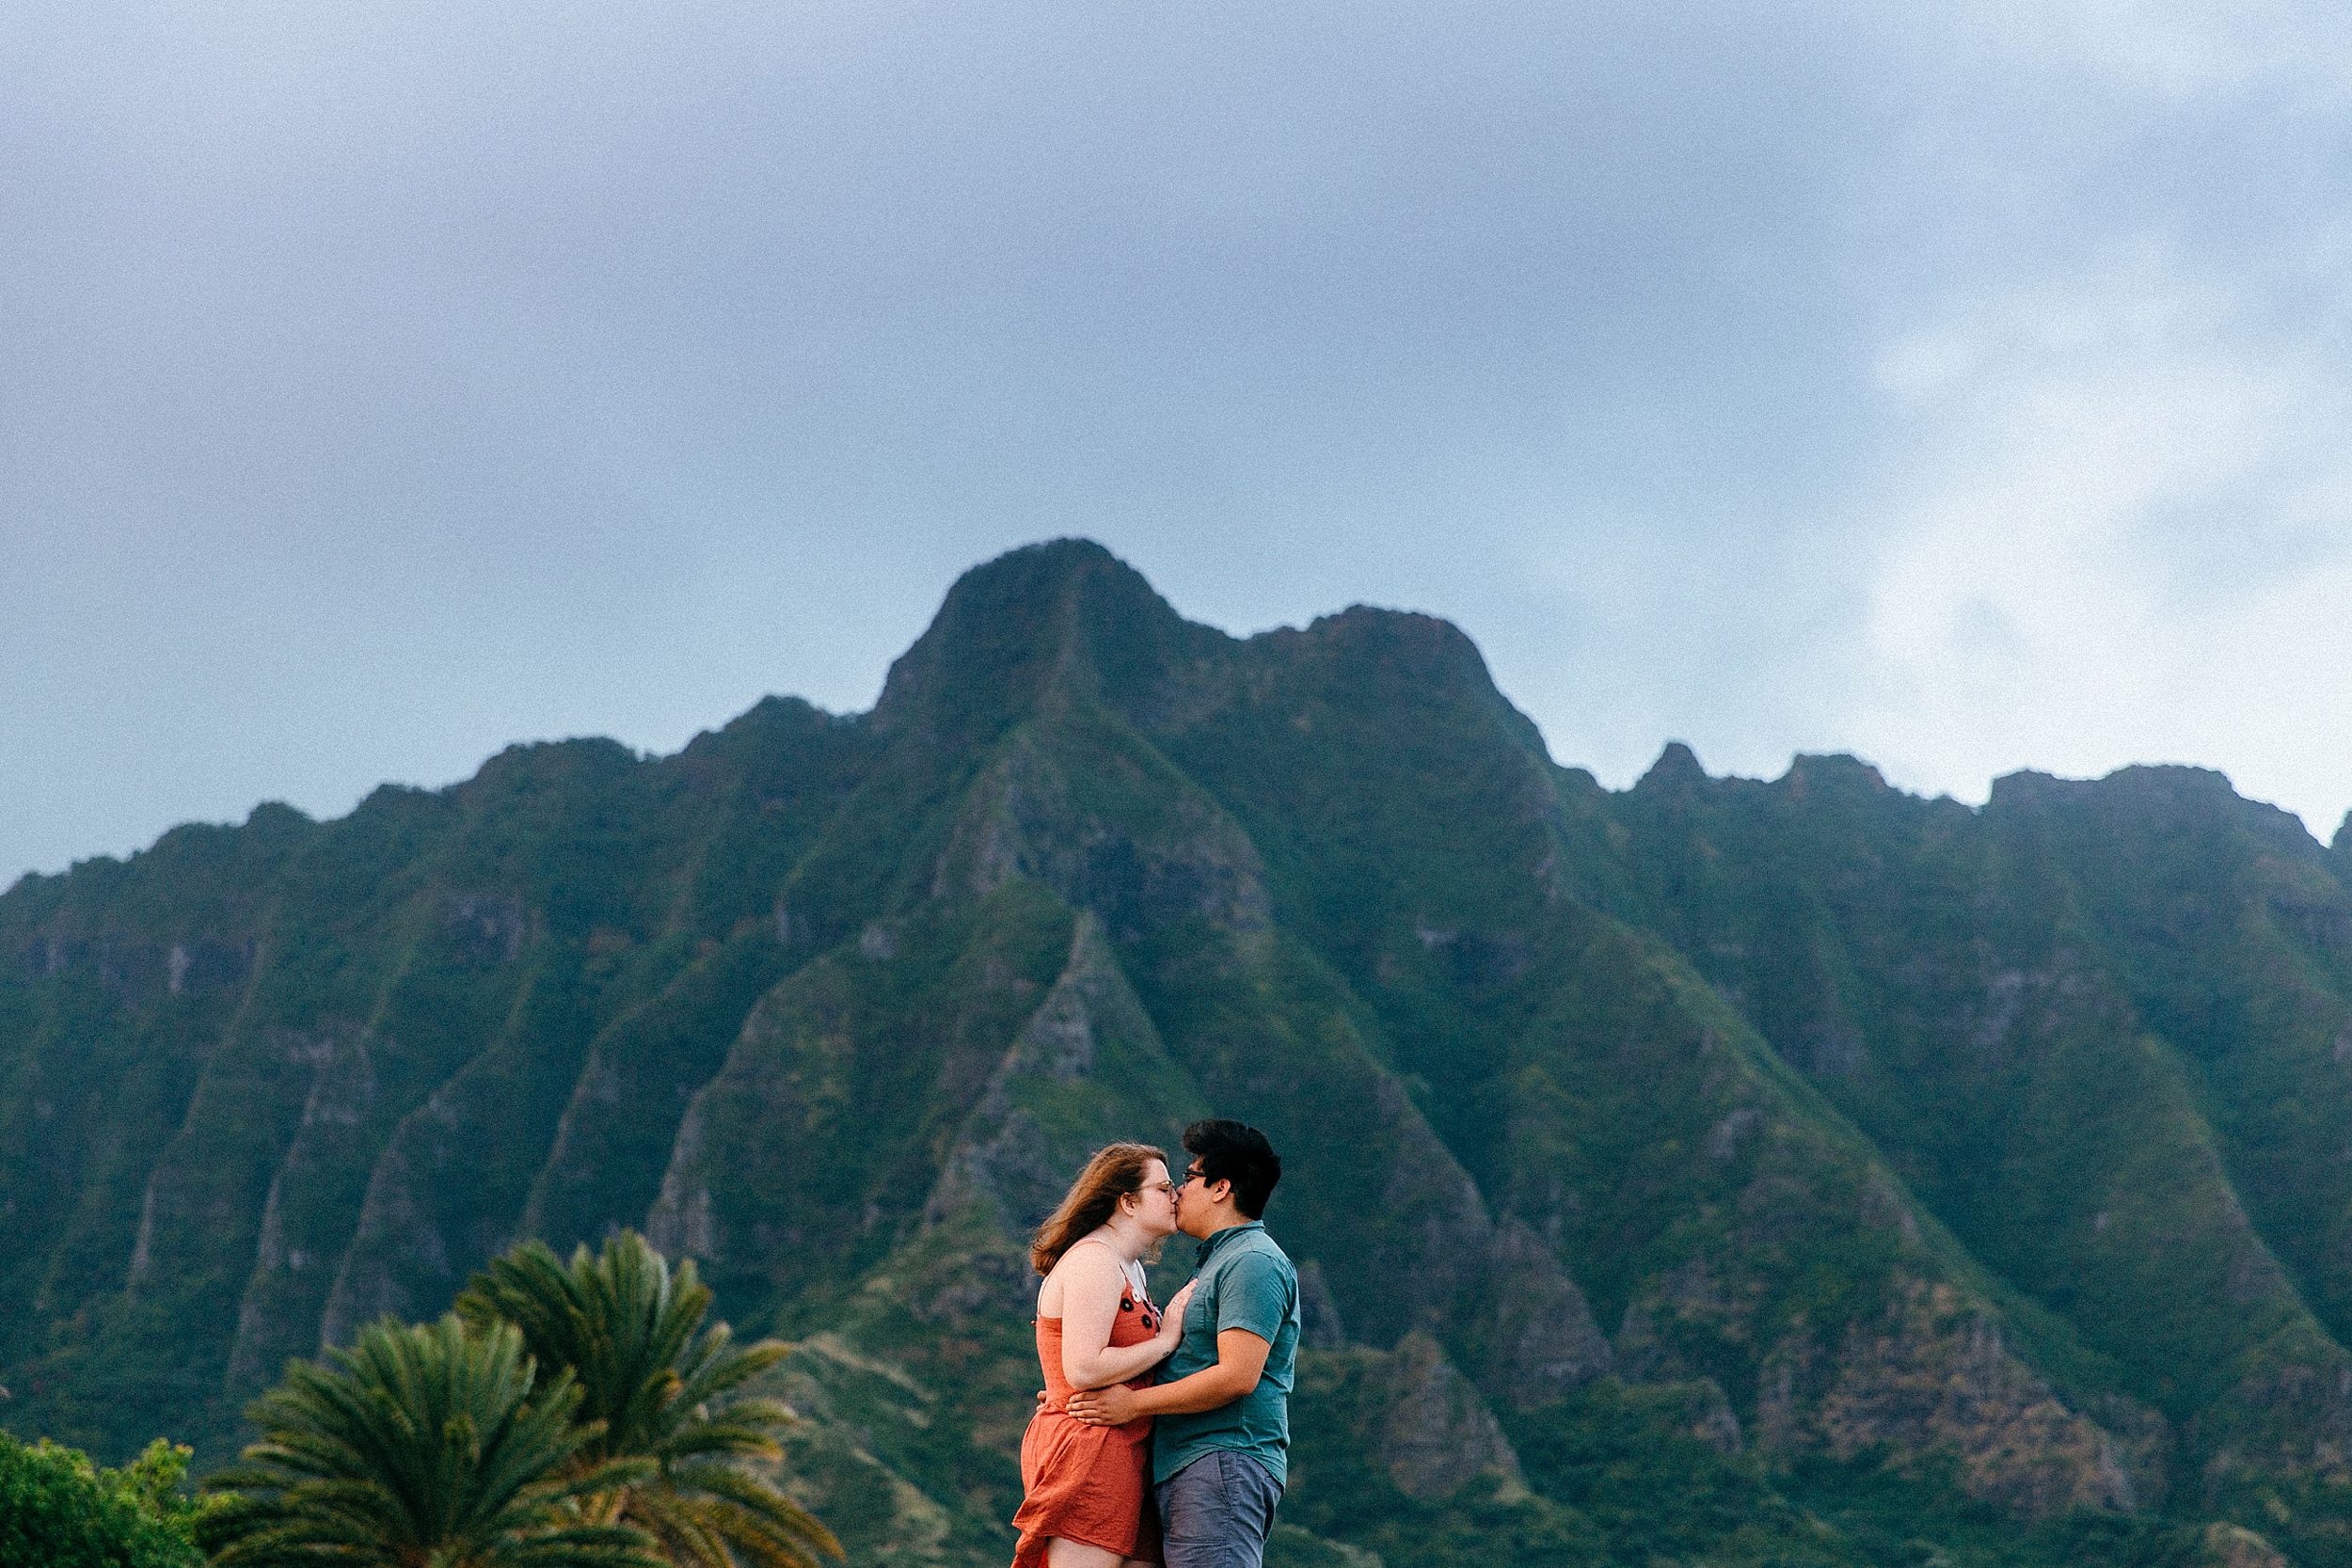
[1255,1295]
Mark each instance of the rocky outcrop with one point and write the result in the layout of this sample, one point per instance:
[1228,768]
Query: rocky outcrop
[680,1222]
[1039,813]
[1438,1435]
[1936,1373]
[2236,1547]
[1474,1280]
[181,1206]
[137,971]
[2294,1414]
[1319,1324]
[1087,1059]
[365,1288]
[1540,1336]
[614,1137]
[485,927]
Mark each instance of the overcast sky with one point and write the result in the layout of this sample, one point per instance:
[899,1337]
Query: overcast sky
[1963,386]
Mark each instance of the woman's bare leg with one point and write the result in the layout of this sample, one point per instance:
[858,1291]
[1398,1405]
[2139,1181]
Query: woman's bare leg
[1078,1554]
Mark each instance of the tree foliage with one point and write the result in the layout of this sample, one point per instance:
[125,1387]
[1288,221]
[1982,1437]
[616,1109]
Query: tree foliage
[431,1444]
[663,1390]
[58,1510]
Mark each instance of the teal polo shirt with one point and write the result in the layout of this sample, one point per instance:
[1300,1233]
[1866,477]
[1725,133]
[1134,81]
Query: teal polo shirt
[1246,1281]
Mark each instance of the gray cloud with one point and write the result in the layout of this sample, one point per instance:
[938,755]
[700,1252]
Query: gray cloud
[386,382]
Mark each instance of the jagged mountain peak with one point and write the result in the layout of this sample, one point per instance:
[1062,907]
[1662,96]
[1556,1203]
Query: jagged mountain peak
[1364,637]
[1365,629]
[544,764]
[1831,770]
[1067,621]
[2003,1142]
[1060,620]
[2165,799]
[2164,786]
[1678,768]
[1838,774]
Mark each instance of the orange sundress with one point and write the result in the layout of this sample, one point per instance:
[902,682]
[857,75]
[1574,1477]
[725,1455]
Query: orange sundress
[1087,1483]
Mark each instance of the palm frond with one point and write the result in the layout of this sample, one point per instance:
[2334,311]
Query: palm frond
[436,1443]
[660,1385]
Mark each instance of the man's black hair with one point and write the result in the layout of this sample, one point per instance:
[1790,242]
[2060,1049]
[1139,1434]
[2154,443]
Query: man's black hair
[1231,1151]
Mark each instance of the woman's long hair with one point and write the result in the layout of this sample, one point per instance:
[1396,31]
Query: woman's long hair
[1114,1173]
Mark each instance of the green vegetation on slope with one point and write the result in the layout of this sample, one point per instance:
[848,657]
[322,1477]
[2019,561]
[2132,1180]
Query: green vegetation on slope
[1791,1172]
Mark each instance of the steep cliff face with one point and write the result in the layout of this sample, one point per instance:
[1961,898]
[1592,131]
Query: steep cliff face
[1680,1174]
[2092,1026]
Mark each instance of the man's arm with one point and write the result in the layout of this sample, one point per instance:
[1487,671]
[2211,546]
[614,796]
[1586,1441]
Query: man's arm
[1240,1361]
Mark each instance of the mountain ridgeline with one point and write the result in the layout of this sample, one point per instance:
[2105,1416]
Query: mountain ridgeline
[1713,1172]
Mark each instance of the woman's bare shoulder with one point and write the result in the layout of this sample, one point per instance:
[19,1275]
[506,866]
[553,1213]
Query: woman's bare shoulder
[1087,1266]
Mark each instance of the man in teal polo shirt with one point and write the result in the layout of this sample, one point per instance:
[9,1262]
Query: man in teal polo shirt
[1221,1432]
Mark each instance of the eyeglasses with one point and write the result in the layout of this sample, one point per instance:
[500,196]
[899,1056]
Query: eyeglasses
[1168,1187]
[1192,1175]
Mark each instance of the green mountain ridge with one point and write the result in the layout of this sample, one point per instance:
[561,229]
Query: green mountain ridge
[1717,1171]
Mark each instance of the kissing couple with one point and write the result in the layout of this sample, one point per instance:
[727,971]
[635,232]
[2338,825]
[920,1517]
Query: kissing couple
[1161,1436]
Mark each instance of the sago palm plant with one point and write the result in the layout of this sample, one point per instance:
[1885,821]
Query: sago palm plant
[660,1387]
[431,1447]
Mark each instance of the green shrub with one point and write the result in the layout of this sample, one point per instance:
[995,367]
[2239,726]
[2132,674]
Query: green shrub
[58,1510]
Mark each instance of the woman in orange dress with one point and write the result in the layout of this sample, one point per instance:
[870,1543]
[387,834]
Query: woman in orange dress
[1087,1501]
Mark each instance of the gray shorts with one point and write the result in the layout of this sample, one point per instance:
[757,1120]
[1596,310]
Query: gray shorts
[1217,1512]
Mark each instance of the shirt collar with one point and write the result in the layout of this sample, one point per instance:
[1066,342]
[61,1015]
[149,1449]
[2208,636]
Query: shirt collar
[1211,1243]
